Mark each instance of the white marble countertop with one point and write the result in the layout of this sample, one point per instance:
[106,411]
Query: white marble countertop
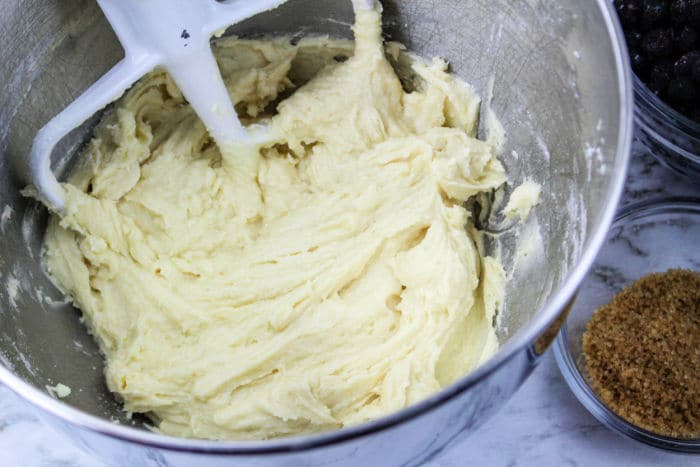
[543,424]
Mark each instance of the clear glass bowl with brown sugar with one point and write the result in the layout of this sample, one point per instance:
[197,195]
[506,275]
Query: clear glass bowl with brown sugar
[649,237]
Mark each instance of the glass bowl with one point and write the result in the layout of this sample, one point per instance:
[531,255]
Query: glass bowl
[647,237]
[670,136]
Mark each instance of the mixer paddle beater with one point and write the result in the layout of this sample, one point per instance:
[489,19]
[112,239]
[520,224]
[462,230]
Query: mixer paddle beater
[173,34]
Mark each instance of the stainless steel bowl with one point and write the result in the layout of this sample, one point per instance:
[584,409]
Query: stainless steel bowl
[563,91]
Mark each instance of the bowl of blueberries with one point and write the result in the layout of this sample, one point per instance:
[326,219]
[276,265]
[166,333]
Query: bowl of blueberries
[663,38]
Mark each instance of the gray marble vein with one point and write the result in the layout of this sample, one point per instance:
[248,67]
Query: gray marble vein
[543,424]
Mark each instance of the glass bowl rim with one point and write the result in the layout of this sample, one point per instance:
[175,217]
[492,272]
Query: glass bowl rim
[649,106]
[651,101]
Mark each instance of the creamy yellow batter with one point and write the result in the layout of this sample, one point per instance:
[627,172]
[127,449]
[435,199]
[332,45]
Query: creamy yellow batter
[322,281]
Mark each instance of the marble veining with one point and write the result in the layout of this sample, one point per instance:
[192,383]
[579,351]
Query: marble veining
[543,424]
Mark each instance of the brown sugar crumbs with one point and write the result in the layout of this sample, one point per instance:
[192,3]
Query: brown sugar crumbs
[642,353]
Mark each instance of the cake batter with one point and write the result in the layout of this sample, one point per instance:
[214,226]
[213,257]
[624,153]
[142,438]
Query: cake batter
[319,281]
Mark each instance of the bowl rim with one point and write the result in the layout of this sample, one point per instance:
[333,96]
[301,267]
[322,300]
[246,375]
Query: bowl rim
[653,102]
[577,382]
[658,119]
[519,342]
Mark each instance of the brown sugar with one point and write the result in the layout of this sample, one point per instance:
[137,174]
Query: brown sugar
[642,353]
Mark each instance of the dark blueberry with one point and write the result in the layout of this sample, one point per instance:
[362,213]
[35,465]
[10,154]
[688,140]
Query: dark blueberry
[687,38]
[654,12]
[633,38]
[660,77]
[685,11]
[665,64]
[629,11]
[658,43]
[679,10]
[683,68]
[640,64]
[695,115]
[694,12]
[682,93]
[696,72]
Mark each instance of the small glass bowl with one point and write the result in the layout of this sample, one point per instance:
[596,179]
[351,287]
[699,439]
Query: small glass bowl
[646,237]
[670,136]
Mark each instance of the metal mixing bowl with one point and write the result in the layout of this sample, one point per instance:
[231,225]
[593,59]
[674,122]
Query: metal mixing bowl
[563,92]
